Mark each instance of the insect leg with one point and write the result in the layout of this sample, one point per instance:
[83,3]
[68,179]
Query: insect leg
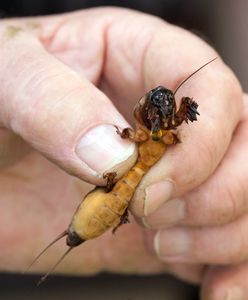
[111,176]
[170,138]
[186,112]
[123,220]
[136,136]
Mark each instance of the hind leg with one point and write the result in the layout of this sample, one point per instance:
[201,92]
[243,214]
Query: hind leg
[123,220]
[111,179]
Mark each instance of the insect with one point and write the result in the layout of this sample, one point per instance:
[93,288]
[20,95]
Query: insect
[156,117]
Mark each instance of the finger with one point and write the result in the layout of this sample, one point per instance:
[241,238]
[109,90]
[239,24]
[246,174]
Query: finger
[191,273]
[226,283]
[221,199]
[58,112]
[9,142]
[164,55]
[224,244]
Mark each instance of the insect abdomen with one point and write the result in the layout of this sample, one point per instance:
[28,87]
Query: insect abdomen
[93,217]
[100,211]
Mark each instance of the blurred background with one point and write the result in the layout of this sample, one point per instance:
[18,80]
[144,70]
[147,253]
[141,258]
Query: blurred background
[221,23]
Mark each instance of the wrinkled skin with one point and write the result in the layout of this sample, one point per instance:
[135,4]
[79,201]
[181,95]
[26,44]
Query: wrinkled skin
[124,54]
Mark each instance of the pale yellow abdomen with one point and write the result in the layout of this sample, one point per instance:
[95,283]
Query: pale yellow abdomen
[98,212]
[101,210]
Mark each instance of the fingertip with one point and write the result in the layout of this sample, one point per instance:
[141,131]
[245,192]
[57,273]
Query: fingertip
[149,198]
[102,150]
[215,294]
[224,283]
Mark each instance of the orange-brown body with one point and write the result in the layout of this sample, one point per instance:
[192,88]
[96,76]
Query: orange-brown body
[101,210]
[156,118]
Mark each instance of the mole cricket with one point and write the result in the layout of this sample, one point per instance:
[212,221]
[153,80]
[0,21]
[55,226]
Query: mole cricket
[157,118]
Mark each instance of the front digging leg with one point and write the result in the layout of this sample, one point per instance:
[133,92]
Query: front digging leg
[137,136]
[186,112]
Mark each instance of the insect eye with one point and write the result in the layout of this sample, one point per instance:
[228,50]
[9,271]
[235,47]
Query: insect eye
[158,99]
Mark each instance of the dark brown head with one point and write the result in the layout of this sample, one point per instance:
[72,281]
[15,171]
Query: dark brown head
[163,99]
[156,109]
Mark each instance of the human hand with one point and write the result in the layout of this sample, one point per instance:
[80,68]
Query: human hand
[194,199]
[124,54]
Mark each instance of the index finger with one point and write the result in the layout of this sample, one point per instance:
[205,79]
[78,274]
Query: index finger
[149,53]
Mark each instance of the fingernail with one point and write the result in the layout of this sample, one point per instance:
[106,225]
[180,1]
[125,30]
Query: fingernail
[173,245]
[102,149]
[235,293]
[169,213]
[156,194]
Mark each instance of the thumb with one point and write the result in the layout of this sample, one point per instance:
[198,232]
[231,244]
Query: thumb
[58,112]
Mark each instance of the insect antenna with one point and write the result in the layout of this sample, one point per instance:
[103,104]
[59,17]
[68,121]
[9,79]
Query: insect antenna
[64,233]
[54,267]
[192,74]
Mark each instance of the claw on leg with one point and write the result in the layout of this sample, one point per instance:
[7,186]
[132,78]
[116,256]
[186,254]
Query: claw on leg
[125,133]
[187,111]
[111,176]
[128,133]
[123,220]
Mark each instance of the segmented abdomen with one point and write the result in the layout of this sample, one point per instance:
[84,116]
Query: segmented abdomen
[101,210]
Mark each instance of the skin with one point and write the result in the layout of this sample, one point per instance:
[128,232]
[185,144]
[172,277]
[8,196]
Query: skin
[90,57]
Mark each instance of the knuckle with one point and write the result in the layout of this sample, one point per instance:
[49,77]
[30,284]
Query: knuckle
[232,203]
[37,113]
[216,203]
[238,247]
